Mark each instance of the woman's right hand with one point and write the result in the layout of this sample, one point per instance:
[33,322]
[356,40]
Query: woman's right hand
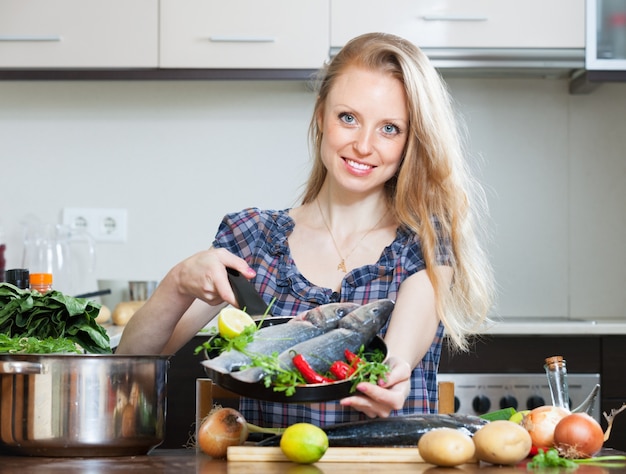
[172,316]
[204,275]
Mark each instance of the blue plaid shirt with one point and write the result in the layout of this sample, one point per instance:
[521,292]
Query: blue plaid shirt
[260,237]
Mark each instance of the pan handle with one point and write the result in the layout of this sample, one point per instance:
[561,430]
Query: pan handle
[21,367]
[246,294]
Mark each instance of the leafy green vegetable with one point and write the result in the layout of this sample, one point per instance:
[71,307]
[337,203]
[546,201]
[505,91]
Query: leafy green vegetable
[502,414]
[53,315]
[32,345]
[551,458]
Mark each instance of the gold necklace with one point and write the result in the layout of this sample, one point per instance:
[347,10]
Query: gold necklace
[342,263]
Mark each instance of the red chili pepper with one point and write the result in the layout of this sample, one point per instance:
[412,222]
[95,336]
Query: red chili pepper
[533,451]
[309,374]
[341,370]
[352,358]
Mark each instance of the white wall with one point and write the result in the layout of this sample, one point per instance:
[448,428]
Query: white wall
[178,155]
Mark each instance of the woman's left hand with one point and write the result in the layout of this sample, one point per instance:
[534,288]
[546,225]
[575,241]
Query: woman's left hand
[380,400]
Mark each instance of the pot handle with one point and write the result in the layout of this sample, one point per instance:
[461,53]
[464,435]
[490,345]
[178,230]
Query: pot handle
[21,367]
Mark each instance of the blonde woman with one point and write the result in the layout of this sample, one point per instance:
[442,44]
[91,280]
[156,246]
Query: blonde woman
[389,211]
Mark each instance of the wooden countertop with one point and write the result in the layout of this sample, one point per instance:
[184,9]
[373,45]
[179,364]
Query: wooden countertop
[184,461]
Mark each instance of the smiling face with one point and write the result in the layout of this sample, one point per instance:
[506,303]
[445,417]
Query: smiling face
[364,128]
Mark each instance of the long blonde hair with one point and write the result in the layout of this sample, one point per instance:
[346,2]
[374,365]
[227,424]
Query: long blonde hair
[433,192]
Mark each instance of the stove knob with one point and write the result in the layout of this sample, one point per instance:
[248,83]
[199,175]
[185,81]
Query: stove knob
[508,401]
[457,404]
[535,401]
[481,404]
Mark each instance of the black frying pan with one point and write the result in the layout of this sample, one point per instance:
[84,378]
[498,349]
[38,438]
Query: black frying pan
[306,393]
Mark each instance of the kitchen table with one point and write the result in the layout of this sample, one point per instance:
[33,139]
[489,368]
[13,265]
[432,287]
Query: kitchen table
[161,461]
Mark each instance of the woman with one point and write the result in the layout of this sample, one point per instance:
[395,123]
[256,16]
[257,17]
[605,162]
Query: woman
[388,212]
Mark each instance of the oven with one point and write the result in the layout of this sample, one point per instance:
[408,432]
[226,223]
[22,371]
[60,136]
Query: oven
[479,393]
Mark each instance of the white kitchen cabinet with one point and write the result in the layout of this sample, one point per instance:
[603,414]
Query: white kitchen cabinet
[464,23]
[78,33]
[266,34]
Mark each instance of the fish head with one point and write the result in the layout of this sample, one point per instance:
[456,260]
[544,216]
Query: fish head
[327,316]
[369,317]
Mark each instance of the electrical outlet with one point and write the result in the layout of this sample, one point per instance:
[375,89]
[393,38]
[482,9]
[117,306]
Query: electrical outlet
[104,225]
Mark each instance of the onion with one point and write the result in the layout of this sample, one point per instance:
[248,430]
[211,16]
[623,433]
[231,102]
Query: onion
[540,424]
[578,436]
[223,427]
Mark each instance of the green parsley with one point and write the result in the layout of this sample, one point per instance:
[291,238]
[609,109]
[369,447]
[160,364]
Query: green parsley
[551,458]
[32,345]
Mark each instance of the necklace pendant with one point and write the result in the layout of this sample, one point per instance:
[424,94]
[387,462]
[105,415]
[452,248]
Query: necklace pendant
[342,266]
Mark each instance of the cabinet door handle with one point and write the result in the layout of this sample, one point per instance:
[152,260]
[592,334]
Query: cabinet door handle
[451,17]
[30,38]
[241,39]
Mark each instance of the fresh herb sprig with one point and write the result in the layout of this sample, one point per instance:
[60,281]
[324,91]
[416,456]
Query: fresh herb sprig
[222,344]
[370,369]
[276,376]
[551,458]
[32,345]
[219,343]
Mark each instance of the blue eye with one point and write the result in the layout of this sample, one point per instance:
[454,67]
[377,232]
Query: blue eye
[347,118]
[390,129]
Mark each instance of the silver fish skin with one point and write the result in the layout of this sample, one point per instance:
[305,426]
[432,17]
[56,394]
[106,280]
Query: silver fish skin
[278,337]
[358,328]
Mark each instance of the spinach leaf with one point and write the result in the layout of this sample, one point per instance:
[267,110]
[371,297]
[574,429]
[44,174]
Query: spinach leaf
[51,315]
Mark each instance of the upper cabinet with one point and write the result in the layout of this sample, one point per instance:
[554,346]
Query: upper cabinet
[78,33]
[272,38]
[464,23]
[268,34]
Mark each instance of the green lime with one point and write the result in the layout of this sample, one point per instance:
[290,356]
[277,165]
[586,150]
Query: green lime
[304,443]
[517,417]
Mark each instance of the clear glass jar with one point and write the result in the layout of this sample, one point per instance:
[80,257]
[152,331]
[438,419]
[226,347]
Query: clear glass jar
[556,370]
[41,282]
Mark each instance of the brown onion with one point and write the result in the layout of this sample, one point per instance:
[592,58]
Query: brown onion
[578,436]
[223,427]
[540,424]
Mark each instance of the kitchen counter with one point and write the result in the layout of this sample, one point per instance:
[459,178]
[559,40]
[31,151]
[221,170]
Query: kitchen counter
[535,326]
[188,461]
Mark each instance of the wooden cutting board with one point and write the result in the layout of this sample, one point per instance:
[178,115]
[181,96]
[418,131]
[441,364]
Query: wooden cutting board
[387,455]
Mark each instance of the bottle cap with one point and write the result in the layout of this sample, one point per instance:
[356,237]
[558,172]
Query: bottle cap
[41,278]
[17,277]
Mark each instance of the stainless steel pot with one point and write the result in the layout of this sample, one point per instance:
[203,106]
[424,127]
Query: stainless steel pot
[82,405]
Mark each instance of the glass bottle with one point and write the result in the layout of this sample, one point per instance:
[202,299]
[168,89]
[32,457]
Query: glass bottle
[41,282]
[556,370]
[18,277]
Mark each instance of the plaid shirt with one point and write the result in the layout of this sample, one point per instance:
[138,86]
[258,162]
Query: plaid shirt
[260,237]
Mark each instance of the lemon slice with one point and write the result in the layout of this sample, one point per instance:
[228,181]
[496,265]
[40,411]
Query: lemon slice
[304,443]
[232,321]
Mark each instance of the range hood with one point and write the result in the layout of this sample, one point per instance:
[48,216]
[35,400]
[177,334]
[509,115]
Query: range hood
[505,62]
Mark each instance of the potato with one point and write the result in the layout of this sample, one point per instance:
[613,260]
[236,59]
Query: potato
[104,315]
[446,447]
[124,311]
[502,442]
